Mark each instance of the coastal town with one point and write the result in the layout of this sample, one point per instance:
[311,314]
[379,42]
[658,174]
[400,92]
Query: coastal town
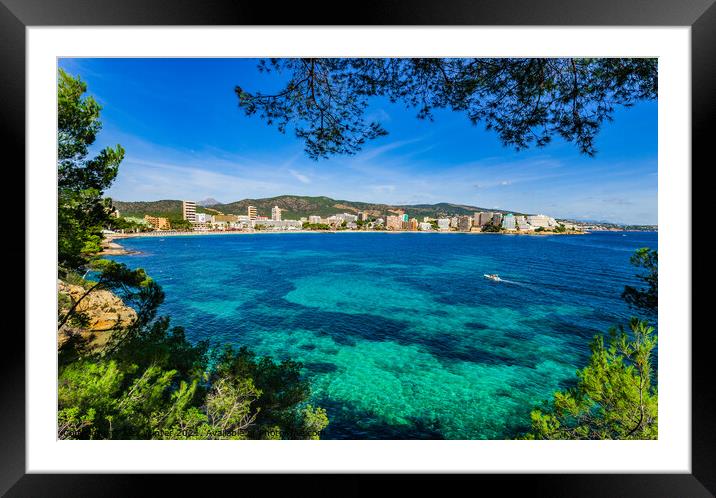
[397,221]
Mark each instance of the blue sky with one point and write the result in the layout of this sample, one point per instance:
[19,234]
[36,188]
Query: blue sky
[186,138]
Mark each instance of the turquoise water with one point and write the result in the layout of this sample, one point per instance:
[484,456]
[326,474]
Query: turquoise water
[400,334]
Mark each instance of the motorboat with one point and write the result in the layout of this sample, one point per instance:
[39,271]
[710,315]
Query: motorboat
[493,276]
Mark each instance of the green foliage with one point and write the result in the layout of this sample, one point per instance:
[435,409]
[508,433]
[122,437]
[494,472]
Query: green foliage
[167,208]
[155,385]
[313,421]
[127,225]
[614,397]
[228,405]
[181,224]
[560,228]
[316,226]
[491,227]
[526,101]
[133,286]
[281,386]
[148,382]
[645,299]
[81,180]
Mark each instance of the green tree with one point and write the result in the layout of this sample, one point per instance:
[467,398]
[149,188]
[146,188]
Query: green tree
[149,381]
[491,227]
[181,224]
[645,299]
[526,101]
[282,391]
[614,397]
[81,180]
[135,286]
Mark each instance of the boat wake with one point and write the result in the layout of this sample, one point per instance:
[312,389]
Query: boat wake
[519,284]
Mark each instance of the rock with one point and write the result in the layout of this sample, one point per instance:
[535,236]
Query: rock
[105,311]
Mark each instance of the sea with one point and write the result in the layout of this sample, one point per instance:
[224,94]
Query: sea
[400,334]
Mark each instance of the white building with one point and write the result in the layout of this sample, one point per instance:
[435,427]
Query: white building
[276,213]
[314,220]
[541,220]
[279,224]
[346,217]
[188,210]
[204,218]
[425,227]
[508,222]
[443,223]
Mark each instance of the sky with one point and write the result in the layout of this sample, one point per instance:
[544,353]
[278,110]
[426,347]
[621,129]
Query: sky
[186,138]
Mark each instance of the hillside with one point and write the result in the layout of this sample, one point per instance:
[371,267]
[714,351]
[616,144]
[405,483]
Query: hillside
[295,207]
[165,208]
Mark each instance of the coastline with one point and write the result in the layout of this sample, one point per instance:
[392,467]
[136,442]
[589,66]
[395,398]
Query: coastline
[168,233]
[112,248]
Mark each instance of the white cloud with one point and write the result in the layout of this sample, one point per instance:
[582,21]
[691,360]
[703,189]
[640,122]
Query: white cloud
[300,177]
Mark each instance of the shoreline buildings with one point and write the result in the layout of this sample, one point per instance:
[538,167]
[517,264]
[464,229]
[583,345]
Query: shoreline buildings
[398,220]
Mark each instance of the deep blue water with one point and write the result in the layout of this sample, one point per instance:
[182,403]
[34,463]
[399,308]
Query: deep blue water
[400,334]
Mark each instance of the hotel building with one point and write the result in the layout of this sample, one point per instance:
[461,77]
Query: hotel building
[508,222]
[276,213]
[394,222]
[188,211]
[157,222]
[485,217]
[541,220]
[252,213]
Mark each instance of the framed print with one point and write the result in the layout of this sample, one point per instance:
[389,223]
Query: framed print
[424,242]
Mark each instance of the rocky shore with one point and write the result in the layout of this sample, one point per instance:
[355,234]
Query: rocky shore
[104,312]
[110,248]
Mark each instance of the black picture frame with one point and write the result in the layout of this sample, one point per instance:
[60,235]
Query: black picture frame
[16,15]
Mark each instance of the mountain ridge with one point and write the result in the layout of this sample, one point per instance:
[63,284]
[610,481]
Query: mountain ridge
[297,206]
